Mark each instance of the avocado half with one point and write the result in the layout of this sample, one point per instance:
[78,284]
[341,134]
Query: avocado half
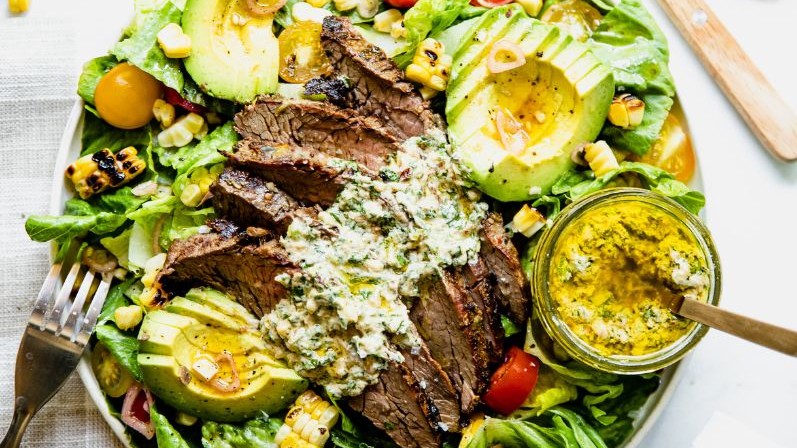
[561,96]
[234,60]
[206,323]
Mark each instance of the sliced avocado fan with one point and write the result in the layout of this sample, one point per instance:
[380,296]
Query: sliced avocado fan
[560,97]
[198,328]
[234,54]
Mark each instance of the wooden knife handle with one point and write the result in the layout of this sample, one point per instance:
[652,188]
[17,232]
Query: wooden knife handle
[767,115]
[761,333]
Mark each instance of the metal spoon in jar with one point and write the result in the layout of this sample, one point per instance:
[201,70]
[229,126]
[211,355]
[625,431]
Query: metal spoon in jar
[749,329]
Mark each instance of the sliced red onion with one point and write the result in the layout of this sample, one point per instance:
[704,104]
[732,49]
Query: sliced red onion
[129,411]
[257,9]
[222,385]
[513,136]
[503,48]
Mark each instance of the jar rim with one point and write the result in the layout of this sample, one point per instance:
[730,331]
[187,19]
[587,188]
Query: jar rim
[558,329]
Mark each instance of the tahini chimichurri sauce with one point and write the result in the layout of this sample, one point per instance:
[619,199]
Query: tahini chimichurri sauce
[615,270]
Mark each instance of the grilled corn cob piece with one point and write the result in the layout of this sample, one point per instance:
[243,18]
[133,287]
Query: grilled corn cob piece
[626,111]
[174,42]
[528,221]
[430,66]
[18,6]
[307,423]
[600,158]
[93,173]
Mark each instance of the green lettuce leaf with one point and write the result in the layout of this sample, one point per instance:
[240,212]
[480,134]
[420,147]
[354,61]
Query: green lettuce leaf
[555,428]
[93,70]
[116,298]
[427,19]
[67,227]
[254,433]
[141,47]
[98,135]
[183,223]
[123,346]
[207,152]
[165,434]
[632,44]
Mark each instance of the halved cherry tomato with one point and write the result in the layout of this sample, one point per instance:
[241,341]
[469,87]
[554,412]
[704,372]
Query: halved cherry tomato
[125,95]
[172,97]
[301,56]
[672,151]
[490,3]
[512,382]
[401,4]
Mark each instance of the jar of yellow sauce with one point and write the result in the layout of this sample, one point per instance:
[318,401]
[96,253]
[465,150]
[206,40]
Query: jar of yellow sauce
[607,271]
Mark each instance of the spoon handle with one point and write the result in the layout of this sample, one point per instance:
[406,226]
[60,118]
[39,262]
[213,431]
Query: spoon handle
[758,103]
[761,333]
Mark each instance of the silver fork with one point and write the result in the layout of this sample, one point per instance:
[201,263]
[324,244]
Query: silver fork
[53,342]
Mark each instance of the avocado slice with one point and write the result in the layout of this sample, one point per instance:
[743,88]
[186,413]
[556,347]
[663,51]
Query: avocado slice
[206,323]
[560,96]
[230,61]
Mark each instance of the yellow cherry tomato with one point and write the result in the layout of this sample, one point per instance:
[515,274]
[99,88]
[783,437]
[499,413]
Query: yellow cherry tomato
[672,151]
[301,56]
[125,95]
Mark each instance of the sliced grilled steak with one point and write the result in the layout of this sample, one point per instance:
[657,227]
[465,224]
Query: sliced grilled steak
[249,200]
[413,402]
[317,125]
[377,86]
[306,175]
[451,323]
[243,265]
[501,257]
[480,286]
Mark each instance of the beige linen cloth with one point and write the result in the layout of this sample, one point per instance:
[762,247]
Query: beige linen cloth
[38,76]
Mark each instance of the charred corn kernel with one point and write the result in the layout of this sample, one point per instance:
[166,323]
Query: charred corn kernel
[185,419]
[528,221]
[127,317]
[469,432]
[532,7]
[305,12]
[430,66]
[193,122]
[384,21]
[398,31]
[94,173]
[345,5]
[191,195]
[626,111]
[18,6]
[164,112]
[308,422]
[317,3]
[174,42]
[600,158]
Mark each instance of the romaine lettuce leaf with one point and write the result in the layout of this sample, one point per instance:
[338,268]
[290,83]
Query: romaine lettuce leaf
[93,70]
[98,135]
[123,346]
[141,47]
[67,227]
[254,433]
[632,44]
[116,298]
[555,428]
[207,152]
[427,19]
[165,434]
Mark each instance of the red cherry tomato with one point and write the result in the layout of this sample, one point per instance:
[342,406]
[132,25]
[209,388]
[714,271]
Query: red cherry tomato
[401,4]
[490,3]
[172,97]
[512,382]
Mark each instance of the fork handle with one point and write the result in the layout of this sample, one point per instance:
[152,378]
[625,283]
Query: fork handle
[22,416]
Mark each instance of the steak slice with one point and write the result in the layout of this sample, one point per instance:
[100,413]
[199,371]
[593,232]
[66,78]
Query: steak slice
[501,258]
[480,286]
[243,265]
[307,175]
[452,324]
[377,86]
[317,125]
[249,200]
[413,401]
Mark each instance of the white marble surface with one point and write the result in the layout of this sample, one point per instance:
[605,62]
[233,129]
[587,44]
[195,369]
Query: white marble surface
[752,212]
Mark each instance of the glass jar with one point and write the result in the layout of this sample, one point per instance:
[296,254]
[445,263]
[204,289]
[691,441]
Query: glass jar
[545,307]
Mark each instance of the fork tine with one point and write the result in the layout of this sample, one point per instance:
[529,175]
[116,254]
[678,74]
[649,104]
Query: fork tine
[54,320]
[87,326]
[69,327]
[45,297]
